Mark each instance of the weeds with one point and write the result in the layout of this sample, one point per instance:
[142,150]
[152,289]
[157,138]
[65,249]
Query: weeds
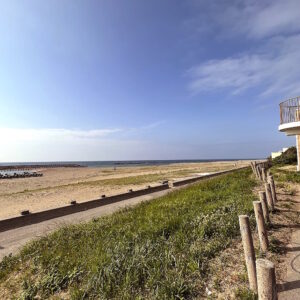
[285,175]
[275,246]
[245,294]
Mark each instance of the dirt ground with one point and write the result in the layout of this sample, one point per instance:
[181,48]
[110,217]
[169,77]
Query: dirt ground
[58,186]
[230,279]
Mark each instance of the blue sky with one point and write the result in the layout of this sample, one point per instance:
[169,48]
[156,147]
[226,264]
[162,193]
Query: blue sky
[137,79]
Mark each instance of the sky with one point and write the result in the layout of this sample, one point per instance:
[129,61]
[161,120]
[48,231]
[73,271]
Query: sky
[138,79]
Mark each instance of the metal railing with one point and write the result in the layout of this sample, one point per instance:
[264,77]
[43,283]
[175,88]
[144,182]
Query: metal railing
[290,110]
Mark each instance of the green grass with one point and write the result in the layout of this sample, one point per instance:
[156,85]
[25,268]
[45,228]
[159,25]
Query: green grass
[156,250]
[285,175]
[245,294]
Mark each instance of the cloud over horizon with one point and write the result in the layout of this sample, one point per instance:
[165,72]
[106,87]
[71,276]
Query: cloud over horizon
[11,134]
[46,144]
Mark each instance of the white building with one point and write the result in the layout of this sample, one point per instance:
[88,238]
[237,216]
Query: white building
[290,121]
[276,154]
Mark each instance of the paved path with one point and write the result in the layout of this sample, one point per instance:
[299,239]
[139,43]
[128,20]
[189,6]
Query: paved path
[290,288]
[12,240]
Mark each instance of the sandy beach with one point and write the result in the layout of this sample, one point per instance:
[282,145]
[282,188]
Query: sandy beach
[59,186]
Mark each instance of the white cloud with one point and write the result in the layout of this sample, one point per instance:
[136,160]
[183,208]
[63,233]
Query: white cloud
[153,125]
[236,72]
[260,19]
[12,134]
[51,144]
[254,18]
[271,67]
[274,69]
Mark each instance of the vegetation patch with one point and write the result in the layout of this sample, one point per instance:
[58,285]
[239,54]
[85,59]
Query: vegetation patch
[156,250]
[286,158]
[285,176]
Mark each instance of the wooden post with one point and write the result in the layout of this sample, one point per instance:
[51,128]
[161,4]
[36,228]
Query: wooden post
[266,280]
[260,172]
[262,232]
[264,204]
[248,250]
[257,172]
[269,196]
[263,173]
[273,189]
[253,167]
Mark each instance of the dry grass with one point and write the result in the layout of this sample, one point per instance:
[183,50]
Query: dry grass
[229,279]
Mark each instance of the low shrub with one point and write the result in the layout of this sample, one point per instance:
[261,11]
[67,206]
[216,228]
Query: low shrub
[286,158]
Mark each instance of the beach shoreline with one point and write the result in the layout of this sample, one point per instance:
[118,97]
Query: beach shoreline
[59,186]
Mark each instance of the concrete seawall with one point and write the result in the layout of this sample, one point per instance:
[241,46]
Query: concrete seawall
[38,217]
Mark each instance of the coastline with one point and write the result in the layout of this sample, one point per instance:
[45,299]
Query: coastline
[109,163]
[59,186]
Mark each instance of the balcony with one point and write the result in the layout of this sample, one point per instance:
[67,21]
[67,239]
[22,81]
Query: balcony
[290,116]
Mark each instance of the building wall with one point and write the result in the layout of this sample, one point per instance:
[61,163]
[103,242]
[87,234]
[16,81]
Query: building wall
[275,154]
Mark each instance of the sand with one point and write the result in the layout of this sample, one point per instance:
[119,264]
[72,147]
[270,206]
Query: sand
[59,186]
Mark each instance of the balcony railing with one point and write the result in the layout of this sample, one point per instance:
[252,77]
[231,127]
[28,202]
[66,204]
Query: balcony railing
[290,110]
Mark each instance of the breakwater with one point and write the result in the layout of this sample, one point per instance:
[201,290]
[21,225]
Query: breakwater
[38,166]
[18,174]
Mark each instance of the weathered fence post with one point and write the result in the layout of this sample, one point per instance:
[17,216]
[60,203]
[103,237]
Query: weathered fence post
[262,232]
[248,250]
[269,196]
[273,189]
[259,172]
[263,173]
[266,280]
[256,170]
[264,204]
[253,168]
[258,166]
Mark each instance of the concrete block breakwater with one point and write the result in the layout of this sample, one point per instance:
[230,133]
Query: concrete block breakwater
[13,175]
[38,166]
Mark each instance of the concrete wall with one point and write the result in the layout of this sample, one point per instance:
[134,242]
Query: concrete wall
[38,217]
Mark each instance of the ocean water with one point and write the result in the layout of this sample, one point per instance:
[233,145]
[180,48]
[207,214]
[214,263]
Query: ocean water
[115,163]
